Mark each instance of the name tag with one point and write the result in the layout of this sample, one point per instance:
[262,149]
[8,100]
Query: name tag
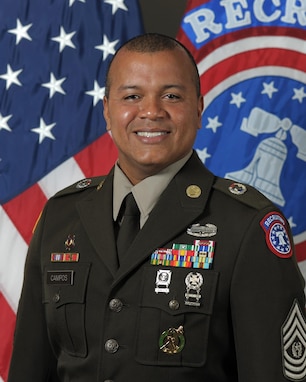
[60,277]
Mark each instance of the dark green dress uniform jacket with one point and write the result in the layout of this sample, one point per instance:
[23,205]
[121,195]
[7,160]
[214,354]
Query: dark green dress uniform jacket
[90,321]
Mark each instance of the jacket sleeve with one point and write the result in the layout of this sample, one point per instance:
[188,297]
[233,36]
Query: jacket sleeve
[32,358]
[267,302]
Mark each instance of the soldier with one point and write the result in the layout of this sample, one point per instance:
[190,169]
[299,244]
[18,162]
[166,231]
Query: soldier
[206,289]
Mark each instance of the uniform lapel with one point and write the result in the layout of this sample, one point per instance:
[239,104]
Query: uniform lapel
[96,213]
[174,212]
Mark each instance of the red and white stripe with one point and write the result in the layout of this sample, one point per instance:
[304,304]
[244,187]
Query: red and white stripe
[17,219]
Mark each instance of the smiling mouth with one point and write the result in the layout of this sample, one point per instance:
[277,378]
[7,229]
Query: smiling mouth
[148,134]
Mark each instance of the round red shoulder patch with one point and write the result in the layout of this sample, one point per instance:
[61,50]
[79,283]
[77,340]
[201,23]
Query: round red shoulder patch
[277,237]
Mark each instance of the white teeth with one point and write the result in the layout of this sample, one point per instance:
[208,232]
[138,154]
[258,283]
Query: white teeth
[148,134]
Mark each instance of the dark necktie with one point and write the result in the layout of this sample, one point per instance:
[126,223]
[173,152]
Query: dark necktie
[129,226]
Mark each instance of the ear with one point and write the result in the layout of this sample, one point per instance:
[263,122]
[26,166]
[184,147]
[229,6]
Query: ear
[200,110]
[106,113]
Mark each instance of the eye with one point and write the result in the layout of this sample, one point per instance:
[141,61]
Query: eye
[172,96]
[132,97]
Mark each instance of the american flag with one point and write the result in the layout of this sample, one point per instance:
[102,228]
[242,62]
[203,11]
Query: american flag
[53,59]
[251,57]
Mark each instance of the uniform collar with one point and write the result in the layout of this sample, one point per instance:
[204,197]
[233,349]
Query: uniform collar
[146,192]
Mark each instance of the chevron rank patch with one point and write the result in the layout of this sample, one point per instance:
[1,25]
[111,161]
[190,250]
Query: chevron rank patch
[294,344]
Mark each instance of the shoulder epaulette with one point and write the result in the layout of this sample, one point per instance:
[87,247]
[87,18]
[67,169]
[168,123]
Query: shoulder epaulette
[243,193]
[82,185]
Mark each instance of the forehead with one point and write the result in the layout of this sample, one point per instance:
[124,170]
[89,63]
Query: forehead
[172,63]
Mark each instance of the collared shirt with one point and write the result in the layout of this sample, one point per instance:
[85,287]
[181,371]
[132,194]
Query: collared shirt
[146,192]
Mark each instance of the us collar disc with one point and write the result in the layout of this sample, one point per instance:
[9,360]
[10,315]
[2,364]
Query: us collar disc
[193,191]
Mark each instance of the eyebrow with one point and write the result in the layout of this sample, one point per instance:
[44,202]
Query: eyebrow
[165,87]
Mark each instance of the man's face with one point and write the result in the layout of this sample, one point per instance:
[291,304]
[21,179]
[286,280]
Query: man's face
[152,111]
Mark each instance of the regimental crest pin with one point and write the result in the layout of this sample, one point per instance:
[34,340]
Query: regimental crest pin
[70,242]
[294,344]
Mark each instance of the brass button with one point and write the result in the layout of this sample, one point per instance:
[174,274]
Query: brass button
[174,305]
[111,346]
[56,297]
[115,305]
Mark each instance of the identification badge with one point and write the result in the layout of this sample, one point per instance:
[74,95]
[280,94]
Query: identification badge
[60,277]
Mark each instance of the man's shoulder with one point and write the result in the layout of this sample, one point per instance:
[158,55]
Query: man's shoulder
[241,192]
[81,185]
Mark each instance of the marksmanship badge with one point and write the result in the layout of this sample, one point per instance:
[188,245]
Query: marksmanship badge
[193,281]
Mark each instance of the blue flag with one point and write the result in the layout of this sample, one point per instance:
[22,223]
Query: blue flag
[251,59]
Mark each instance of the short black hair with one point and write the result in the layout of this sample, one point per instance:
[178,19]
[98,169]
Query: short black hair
[154,42]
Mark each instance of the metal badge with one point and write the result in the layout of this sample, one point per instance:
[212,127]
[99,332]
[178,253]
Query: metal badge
[193,281]
[206,230]
[172,341]
[193,191]
[162,282]
[237,188]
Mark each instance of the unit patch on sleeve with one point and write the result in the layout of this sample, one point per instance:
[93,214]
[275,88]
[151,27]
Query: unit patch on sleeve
[294,344]
[277,237]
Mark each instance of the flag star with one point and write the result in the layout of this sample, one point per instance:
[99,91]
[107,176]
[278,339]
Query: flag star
[11,77]
[107,47]
[203,154]
[64,39]
[21,31]
[71,2]
[269,89]
[213,124]
[299,94]
[3,122]
[97,93]
[116,4]
[291,222]
[54,85]
[237,99]
[44,130]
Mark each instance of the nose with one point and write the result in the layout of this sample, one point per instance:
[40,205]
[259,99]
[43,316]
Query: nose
[151,108]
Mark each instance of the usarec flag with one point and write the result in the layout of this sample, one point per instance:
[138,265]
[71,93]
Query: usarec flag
[53,58]
[251,57]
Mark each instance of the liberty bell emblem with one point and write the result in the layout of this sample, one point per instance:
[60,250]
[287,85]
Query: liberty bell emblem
[264,171]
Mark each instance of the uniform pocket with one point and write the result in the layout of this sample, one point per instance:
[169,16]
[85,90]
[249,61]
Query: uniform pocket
[174,316]
[64,298]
